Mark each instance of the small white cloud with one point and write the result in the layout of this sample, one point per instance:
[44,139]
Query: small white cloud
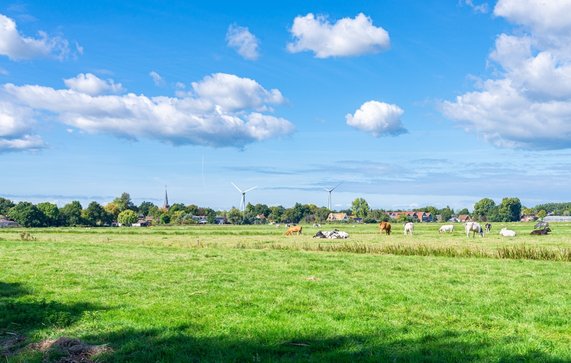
[377,118]
[479,8]
[18,47]
[3,72]
[221,110]
[157,79]
[245,43]
[347,37]
[92,85]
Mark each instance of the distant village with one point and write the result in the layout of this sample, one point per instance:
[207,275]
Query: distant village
[123,212]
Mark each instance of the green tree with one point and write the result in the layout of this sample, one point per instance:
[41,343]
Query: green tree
[51,213]
[360,208]
[5,205]
[484,208]
[276,213]
[148,208]
[71,214]
[96,215]
[234,216]
[446,213]
[510,209]
[124,202]
[27,215]
[127,217]
[464,211]
[541,214]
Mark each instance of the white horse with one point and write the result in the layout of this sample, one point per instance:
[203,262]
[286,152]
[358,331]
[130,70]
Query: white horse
[446,228]
[408,228]
[474,227]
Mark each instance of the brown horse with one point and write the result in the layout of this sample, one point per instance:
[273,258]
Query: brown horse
[293,230]
[385,227]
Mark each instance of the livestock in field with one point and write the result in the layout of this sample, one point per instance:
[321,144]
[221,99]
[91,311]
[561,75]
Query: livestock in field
[334,234]
[447,228]
[541,232]
[488,227]
[473,227]
[293,230]
[541,225]
[408,228]
[507,232]
[385,227]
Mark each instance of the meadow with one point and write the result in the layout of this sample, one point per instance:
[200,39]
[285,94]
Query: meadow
[249,294]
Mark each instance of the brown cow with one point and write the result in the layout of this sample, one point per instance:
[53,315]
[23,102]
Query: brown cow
[293,230]
[386,227]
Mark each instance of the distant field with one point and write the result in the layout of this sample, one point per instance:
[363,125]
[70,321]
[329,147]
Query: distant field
[248,293]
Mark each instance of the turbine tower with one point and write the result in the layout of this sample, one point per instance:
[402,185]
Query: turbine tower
[243,192]
[329,191]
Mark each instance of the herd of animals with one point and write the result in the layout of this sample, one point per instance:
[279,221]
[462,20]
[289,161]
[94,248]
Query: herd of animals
[473,228]
[541,228]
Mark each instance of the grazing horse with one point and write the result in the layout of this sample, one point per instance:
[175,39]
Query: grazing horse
[473,227]
[293,230]
[446,228]
[408,228]
[385,227]
[488,227]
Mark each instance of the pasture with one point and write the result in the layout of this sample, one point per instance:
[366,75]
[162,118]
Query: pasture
[249,293]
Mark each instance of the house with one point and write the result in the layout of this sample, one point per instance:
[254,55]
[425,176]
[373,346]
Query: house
[357,220]
[337,217]
[529,218]
[142,222]
[463,218]
[6,223]
[200,219]
[417,216]
[220,220]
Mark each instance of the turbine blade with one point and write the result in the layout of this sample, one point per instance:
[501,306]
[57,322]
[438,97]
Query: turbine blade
[247,190]
[238,189]
[336,186]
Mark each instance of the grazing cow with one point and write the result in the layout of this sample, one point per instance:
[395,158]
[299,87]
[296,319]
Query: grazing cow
[408,228]
[488,227]
[507,232]
[541,225]
[446,228]
[293,230]
[385,227]
[541,232]
[473,227]
[316,225]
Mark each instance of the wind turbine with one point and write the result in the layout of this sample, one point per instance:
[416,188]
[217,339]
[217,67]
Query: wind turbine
[243,192]
[329,191]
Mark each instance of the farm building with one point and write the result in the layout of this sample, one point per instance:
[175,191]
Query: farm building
[528,218]
[557,219]
[419,216]
[464,218]
[337,217]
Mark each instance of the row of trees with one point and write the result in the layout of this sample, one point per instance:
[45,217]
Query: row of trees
[124,211]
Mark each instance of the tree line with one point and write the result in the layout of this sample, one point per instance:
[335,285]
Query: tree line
[122,210]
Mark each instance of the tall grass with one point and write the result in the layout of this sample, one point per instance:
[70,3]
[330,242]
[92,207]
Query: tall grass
[517,252]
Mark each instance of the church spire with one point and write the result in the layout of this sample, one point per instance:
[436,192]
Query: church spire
[166,205]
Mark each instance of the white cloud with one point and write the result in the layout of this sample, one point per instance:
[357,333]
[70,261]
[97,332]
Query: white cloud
[479,8]
[528,105]
[228,116]
[233,93]
[377,118]
[347,37]
[90,84]
[18,47]
[245,43]
[157,79]
[15,129]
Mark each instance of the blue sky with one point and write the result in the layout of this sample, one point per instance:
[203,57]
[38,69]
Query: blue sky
[407,103]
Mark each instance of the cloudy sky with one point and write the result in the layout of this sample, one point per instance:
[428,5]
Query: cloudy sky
[406,103]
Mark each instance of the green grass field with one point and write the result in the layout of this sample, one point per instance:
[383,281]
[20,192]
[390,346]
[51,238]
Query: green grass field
[250,294]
